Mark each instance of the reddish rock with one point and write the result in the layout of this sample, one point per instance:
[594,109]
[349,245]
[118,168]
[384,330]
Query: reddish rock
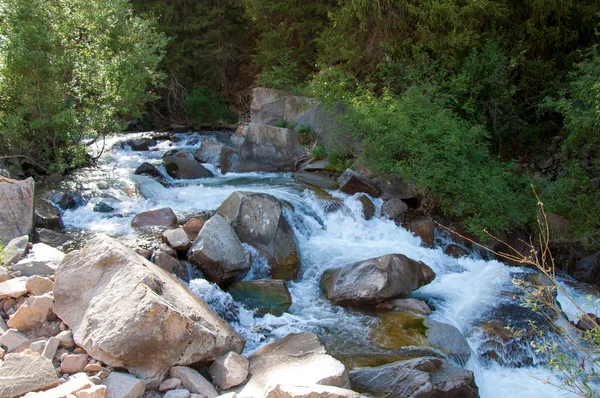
[424,228]
[159,217]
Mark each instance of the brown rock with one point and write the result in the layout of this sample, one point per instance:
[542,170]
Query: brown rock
[193,381]
[33,313]
[39,285]
[74,363]
[352,182]
[368,207]
[193,227]
[169,384]
[155,218]
[424,229]
[229,370]
[14,288]
[454,250]
[11,339]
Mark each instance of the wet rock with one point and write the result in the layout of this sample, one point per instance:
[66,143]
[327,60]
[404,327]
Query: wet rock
[148,169]
[167,324]
[41,260]
[63,200]
[16,208]
[155,218]
[258,220]
[267,296]
[352,182]
[14,288]
[193,227]
[147,187]
[209,152]
[423,228]
[394,209]
[230,160]
[268,148]
[52,238]
[218,252]
[419,377]
[14,250]
[375,280]
[32,313]
[314,391]
[298,359]
[186,169]
[11,339]
[170,264]
[315,179]
[20,374]
[368,207]
[177,238]
[414,306]
[103,207]
[229,370]
[47,216]
[193,381]
[140,144]
[454,250]
[73,363]
[588,322]
[587,269]
[123,385]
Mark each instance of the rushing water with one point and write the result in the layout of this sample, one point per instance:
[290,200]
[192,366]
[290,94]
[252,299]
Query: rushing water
[465,292]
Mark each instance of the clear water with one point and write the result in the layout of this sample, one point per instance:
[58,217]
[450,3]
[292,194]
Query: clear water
[464,292]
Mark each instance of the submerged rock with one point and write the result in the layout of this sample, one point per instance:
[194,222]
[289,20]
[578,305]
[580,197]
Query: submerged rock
[298,359]
[416,378]
[375,280]
[424,228]
[258,220]
[268,148]
[218,252]
[128,313]
[267,296]
[16,208]
[183,168]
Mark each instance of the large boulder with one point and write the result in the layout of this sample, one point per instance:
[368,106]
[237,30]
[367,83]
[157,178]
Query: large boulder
[298,359]
[314,391]
[352,182]
[258,220]
[423,377]
[47,216]
[209,152]
[182,168]
[268,148]
[16,208]
[128,313]
[587,269]
[218,252]
[42,259]
[375,280]
[265,296]
[155,218]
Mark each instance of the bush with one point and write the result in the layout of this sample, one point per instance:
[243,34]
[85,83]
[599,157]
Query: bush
[71,69]
[204,106]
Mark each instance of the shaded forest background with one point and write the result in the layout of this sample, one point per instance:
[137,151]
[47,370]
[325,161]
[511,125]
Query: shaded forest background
[470,100]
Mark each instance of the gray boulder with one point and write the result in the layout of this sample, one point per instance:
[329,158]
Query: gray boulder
[352,182]
[375,280]
[394,209]
[209,152]
[298,359]
[16,208]
[128,313]
[424,377]
[218,252]
[268,148]
[186,169]
[258,220]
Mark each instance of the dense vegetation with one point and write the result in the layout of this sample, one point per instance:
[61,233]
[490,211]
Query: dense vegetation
[466,98]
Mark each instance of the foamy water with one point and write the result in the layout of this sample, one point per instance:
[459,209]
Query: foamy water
[463,293]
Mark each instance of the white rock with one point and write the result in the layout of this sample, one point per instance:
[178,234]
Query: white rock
[71,387]
[50,348]
[92,392]
[20,374]
[41,260]
[32,313]
[229,370]
[38,346]
[4,274]
[38,285]
[193,381]
[11,339]
[66,339]
[14,288]
[314,391]
[123,385]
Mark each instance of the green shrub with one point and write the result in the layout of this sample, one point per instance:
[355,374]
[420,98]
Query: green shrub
[282,76]
[205,106]
[318,152]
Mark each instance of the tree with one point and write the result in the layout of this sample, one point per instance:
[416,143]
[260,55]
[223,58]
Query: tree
[71,69]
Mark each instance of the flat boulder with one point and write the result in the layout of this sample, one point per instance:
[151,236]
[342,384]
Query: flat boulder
[315,179]
[268,148]
[185,169]
[299,359]
[128,313]
[20,374]
[16,208]
[415,378]
[265,296]
[352,182]
[155,218]
[42,260]
[375,280]
[258,220]
[209,152]
[218,252]
[13,288]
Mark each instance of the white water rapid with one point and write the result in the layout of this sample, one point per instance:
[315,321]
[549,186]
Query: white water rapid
[464,293]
